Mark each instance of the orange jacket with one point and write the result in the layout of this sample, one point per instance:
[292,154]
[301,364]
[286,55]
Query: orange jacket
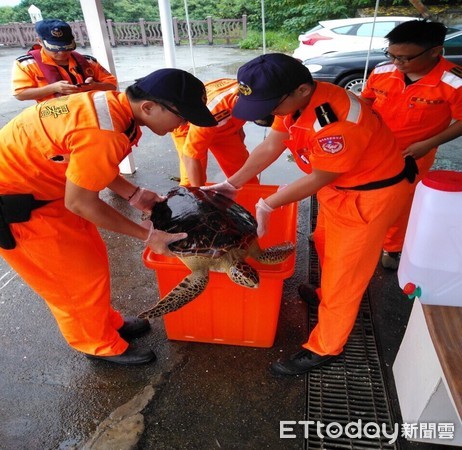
[358,144]
[422,109]
[81,137]
[27,73]
[221,98]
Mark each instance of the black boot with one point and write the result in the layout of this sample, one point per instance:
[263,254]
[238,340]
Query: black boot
[307,293]
[133,327]
[130,357]
[301,362]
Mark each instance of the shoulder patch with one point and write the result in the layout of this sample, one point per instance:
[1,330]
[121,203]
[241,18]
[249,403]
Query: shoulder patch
[452,79]
[325,114]
[24,58]
[457,70]
[220,116]
[90,58]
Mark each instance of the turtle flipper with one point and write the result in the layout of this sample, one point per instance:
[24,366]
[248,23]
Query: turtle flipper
[273,255]
[243,274]
[187,290]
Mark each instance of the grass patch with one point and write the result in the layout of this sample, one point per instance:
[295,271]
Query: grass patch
[275,41]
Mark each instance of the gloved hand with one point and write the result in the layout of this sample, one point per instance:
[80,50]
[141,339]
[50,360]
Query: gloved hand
[158,240]
[225,188]
[263,211]
[144,200]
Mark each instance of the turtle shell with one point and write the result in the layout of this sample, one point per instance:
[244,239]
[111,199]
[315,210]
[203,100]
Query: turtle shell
[215,224]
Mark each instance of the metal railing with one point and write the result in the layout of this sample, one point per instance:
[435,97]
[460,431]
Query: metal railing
[143,32]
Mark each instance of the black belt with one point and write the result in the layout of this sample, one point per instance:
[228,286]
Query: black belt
[15,208]
[410,171]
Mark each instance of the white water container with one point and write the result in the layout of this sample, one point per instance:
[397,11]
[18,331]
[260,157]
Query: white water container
[431,260]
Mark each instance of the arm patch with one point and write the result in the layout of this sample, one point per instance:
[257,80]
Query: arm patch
[457,70]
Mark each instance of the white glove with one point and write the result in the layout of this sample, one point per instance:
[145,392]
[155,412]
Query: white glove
[263,211]
[144,200]
[225,188]
[158,240]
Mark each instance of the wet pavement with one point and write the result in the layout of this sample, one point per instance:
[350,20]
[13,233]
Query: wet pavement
[196,395]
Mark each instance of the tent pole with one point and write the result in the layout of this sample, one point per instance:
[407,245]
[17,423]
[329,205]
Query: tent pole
[188,24]
[167,33]
[370,42]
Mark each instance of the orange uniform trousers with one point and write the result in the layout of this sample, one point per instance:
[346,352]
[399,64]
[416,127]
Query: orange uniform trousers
[230,153]
[350,230]
[64,259]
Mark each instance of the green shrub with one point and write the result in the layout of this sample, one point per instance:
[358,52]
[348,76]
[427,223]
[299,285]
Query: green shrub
[276,41]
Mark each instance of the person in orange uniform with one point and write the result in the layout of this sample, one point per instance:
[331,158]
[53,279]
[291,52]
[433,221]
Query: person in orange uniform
[225,141]
[419,96]
[55,68]
[55,158]
[351,160]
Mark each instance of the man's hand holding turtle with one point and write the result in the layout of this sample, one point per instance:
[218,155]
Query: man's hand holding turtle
[158,240]
[225,188]
[144,200]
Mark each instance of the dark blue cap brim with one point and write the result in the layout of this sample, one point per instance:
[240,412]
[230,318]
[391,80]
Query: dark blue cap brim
[58,46]
[198,115]
[247,109]
[181,89]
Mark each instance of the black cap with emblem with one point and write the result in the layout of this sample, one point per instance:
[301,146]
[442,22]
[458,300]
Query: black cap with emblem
[56,35]
[264,80]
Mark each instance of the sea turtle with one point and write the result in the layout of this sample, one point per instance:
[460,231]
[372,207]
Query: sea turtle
[221,234]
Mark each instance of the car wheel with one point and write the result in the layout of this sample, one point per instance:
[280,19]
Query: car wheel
[352,83]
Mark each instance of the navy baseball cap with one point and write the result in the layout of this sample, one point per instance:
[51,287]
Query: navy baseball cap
[263,81]
[183,90]
[56,35]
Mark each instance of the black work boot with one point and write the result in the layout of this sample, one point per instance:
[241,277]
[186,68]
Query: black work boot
[133,327]
[301,362]
[307,293]
[131,357]
[390,260]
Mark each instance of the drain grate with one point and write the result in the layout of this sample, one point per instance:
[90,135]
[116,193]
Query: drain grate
[349,393]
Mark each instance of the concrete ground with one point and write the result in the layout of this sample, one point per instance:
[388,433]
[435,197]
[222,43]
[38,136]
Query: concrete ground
[196,395]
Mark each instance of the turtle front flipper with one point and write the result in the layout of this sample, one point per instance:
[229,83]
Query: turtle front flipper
[243,274]
[272,255]
[187,290]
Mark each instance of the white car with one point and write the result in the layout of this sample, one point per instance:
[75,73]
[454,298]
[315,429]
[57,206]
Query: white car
[343,35]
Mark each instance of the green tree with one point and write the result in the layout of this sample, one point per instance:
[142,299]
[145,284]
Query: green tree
[6,14]
[300,15]
[130,10]
[68,10]
[280,15]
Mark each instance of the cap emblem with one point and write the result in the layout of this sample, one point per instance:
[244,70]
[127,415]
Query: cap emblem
[244,89]
[56,32]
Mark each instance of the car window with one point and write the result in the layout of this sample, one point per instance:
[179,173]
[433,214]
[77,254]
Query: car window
[348,29]
[316,28]
[453,46]
[381,29]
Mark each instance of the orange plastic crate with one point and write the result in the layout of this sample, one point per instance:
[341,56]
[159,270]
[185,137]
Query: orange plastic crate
[226,313]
